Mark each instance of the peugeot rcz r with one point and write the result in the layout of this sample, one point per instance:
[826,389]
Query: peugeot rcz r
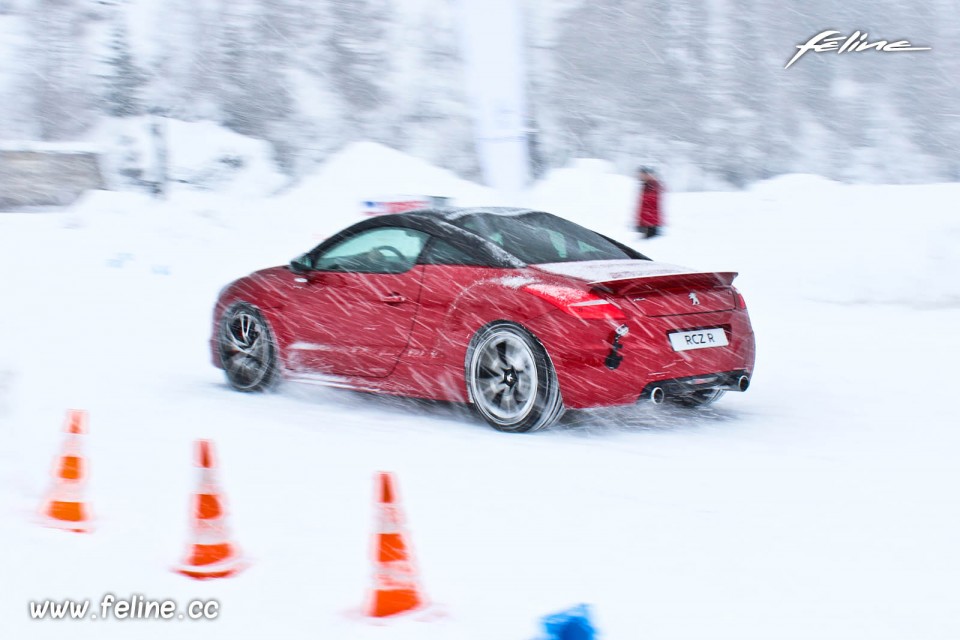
[521,313]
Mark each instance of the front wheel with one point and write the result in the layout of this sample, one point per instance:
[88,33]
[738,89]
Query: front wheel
[247,349]
[511,380]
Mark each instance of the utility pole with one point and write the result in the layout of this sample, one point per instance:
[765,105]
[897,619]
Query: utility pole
[496,84]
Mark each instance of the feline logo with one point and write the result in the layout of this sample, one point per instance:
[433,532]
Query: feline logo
[694,299]
[856,42]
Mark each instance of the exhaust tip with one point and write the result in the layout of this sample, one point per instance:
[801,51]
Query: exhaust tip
[743,383]
[657,396]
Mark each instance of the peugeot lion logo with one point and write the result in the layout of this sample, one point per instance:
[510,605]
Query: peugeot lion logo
[694,299]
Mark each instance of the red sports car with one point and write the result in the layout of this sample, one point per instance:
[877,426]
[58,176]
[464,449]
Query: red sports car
[519,312]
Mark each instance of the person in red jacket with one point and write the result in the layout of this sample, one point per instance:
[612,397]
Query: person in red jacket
[649,214]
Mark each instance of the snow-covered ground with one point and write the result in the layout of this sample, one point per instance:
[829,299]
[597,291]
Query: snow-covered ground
[820,504]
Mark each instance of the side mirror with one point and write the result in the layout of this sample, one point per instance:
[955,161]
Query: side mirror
[301,264]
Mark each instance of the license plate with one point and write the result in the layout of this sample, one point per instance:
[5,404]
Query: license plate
[698,339]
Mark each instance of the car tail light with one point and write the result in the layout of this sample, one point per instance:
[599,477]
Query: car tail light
[741,303]
[576,302]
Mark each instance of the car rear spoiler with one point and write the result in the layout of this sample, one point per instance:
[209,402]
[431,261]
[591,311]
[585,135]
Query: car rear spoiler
[700,280]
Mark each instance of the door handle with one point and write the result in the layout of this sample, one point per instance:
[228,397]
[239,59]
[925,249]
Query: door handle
[393,298]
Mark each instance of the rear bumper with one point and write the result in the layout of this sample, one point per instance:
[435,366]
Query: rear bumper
[727,380]
[579,351]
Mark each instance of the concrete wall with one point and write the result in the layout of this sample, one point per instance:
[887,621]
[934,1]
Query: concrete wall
[34,177]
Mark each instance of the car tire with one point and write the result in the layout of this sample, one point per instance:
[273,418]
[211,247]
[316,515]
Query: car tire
[698,398]
[511,380]
[248,350]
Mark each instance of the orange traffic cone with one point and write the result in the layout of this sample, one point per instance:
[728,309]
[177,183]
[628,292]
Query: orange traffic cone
[64,507]
[211,554]
[396,588]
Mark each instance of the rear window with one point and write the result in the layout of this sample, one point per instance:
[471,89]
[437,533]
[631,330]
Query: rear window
[538,237]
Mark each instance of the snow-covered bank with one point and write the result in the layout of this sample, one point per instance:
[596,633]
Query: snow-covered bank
[820,504]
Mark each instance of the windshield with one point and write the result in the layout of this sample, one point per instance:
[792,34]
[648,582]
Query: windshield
[537,237]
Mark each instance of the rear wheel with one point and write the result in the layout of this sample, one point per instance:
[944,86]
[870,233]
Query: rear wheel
[511,380]
[248,351]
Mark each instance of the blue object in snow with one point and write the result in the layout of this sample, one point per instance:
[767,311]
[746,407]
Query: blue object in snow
[572,624]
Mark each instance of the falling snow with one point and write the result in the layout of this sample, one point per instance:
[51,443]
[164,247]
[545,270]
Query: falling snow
[234,136]
[821,503]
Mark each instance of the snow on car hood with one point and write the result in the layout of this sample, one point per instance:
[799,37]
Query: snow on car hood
[611,270]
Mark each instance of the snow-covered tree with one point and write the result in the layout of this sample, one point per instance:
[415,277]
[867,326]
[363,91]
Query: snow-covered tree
[60,84]
[698,84]
[360,51]
[253,87]
[123,79]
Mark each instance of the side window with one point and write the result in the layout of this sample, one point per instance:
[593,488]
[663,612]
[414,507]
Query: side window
[383,250]
[442,252]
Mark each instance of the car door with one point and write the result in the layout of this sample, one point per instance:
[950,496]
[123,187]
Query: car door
[357,305]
